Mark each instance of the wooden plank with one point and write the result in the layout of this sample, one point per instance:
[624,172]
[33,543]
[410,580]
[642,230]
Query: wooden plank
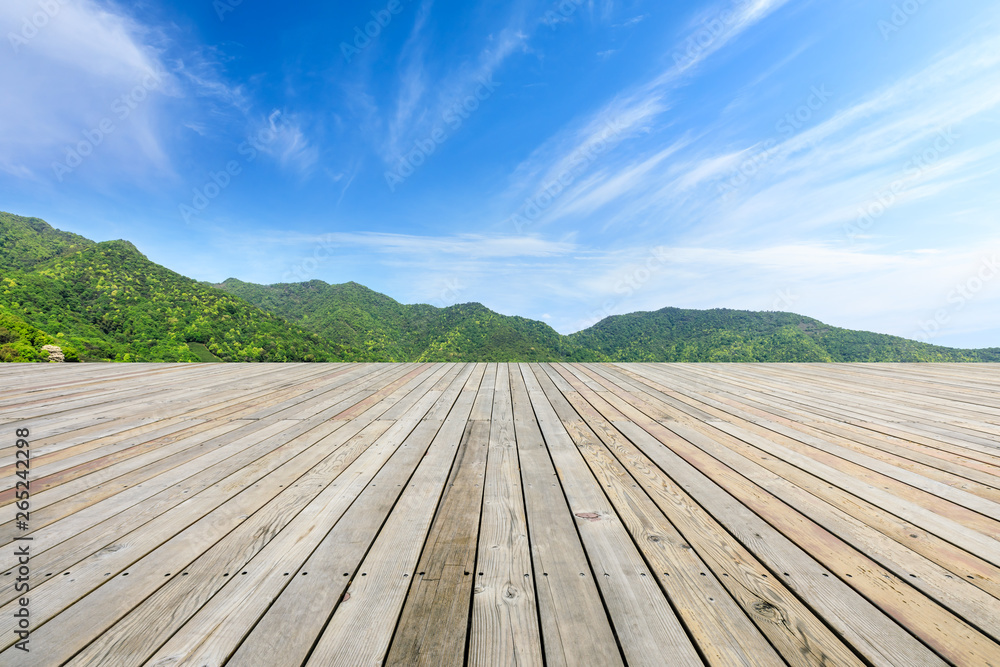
[362,624]
[326,542]
[152,622]
[960,450]
[705,393]
[68,623]
[723,633]
[147,625]
[950,468]
[161,526]
[433,624]
[55,503]
[792,628]
[841,514]
[945,554]
[877,638]
[115,531]
[878,509]
[947,634]
[882,419]
[504,613]
[645,624]
[972,531]
[956,593]
[575,628]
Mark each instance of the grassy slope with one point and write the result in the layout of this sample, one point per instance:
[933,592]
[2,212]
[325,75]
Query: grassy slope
[203,353]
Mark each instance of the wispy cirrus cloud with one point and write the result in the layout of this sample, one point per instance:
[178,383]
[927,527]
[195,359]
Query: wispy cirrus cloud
[714,28]
[909,132]
[465,245]
[636,112]
[412,82]
[287,142]
[99,94]
[423,95]
[813,180]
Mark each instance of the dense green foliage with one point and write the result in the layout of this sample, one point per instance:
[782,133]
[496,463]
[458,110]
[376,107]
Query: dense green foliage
[25,242]
[19,341]
[110,302]
[107,301]
[673,334]
[368,326]
[371,326]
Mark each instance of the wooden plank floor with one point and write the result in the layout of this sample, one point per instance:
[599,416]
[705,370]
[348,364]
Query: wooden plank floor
[501,514]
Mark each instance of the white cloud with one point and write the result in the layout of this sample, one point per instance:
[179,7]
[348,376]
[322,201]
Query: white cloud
[635,20]
[463,245]
[99,95]
[413,81]
[713,29]
[84,69]
[809,184]
[854,288]
[594,194]
[632,114]
[423,100]
[283,138]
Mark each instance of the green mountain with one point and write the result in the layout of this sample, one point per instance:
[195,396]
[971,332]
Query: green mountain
[107,301]
[368,326]
[26,242]
[673,334]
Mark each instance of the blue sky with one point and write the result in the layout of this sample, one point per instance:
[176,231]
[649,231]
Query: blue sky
[558,160]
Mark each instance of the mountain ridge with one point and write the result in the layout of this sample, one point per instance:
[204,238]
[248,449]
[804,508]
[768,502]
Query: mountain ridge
[106,301]
[719,334]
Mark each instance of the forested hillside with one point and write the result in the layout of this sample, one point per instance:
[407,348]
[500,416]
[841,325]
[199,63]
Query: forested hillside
[673,334]
[369,326]
[108,302]
[26,242]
